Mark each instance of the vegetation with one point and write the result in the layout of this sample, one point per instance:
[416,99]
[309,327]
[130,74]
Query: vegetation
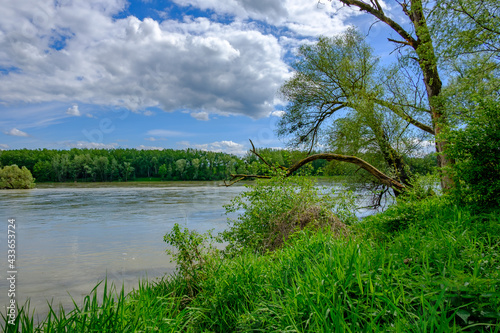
[422,266]
[130,164]
[12,177]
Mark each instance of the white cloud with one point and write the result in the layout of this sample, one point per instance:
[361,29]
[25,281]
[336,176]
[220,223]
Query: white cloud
[73,111]
[91,145]
[3,146]
[228,147]
[89,115]
[143,147]
[197,64]
[154,139]
[200,115]
[78,51]
[306,18]
[278,113]
[16,132]
[165,133]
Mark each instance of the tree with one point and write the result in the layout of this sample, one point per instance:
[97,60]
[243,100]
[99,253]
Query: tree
[12,177]
[419,42]
[475,145]
[337,82]
[466,27]
[162,171]
[180,165]
[128,169]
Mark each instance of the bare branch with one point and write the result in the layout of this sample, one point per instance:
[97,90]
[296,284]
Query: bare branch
[239,177]
[379,13]
[254,151]
[398,41]
[383,178]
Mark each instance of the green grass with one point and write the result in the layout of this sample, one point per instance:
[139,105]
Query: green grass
[426,266]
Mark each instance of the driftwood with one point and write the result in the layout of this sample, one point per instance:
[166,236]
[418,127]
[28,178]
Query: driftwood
[381,177]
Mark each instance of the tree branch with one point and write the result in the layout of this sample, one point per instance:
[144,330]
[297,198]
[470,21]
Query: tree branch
[239,177]
[379,13]
[383,178]
[254,151]
[404,116]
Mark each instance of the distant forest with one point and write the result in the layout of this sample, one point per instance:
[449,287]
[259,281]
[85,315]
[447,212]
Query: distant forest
[103,165]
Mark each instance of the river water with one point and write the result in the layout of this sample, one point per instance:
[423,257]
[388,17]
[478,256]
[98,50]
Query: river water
[71,236]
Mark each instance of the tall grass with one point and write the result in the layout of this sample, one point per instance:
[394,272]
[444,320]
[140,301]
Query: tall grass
[419,267]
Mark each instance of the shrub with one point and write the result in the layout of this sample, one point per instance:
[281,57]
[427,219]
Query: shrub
[11,177]
[476,150]
[274,209]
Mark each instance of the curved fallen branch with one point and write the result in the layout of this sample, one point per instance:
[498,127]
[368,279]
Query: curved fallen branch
[382,177]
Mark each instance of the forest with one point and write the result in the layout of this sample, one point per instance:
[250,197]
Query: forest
[101,165]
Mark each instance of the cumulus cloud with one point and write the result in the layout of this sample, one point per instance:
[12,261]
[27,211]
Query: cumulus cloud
[143,147]
[76,51]
[92,145]
[3,146]
[73,111]
[278,113]
[306,18]
[228,147]
[16,132]
[200,115]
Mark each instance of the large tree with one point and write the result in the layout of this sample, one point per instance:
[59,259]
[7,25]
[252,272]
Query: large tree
[338,82]
[415,36]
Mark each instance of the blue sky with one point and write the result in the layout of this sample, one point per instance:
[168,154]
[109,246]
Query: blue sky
[156,74]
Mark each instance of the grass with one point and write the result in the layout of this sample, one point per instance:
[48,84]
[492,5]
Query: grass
[426,266]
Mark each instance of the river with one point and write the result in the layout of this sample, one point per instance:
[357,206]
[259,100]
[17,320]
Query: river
[71,236]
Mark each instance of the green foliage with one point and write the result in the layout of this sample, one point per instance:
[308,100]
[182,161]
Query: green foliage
[475,147]
[163,171]
[466,26]
[192,256]
[149,308]
[438,272]
[273,209]
[12,177]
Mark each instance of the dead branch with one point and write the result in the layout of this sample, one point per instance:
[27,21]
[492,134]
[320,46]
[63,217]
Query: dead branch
[254,151]
[383,178]
[239,177]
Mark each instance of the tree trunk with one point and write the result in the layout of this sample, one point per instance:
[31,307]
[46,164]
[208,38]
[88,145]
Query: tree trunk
[428,64]
[427,61]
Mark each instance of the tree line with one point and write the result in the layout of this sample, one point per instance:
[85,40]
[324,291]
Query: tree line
[102,165]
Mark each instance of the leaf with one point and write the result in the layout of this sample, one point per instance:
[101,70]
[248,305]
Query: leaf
[464,315]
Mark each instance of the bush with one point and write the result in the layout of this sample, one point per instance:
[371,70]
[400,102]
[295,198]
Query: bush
[11,177]
[274,209]
[476,150]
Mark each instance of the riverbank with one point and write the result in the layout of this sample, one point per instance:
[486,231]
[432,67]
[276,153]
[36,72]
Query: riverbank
[159,181]
[420,266]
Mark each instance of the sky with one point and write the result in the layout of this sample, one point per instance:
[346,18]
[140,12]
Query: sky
[153,74]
